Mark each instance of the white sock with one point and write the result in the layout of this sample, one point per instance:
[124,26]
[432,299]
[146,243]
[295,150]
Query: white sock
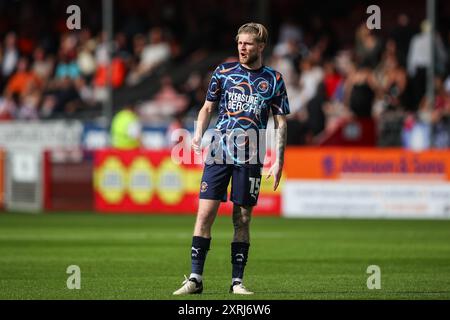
[197,277]
[236,279]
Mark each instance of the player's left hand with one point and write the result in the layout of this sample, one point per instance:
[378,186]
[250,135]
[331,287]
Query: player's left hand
[275,171]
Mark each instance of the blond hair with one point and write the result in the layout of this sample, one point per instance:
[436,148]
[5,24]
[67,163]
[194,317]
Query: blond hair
[257,29]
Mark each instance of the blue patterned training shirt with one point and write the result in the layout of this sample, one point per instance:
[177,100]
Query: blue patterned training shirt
[245,99]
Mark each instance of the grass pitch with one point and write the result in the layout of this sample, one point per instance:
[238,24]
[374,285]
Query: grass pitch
[145,257]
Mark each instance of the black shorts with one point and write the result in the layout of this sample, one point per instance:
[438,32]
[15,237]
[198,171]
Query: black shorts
[246,181]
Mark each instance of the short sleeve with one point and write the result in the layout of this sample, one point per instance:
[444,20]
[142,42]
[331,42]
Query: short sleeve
[280,102]
[214,89]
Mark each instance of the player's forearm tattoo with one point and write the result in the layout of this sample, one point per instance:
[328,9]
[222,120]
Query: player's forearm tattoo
[281,134]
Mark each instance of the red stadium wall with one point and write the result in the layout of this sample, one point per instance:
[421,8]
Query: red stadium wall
[68,176]
[149,182]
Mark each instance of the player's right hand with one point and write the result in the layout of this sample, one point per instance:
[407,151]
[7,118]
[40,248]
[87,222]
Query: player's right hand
[275,171]
[196,144]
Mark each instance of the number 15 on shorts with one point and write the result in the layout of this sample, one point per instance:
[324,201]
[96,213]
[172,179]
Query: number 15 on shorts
[254,186]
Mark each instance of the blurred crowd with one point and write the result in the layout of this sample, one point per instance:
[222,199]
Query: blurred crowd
[48,71]
[377,76]
[42,85]
[380,78]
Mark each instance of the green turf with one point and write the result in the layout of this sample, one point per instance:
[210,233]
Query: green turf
[145,257]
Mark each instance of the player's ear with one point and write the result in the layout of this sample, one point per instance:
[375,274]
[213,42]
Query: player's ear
[261,46]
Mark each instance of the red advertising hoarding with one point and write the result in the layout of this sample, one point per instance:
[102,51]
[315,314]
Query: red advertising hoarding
[150,182]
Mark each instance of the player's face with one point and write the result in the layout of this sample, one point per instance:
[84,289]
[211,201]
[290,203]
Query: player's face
[249,49]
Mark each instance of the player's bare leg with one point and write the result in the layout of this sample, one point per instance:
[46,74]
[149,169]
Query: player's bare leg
[206,214]
[240,247]
[241,223]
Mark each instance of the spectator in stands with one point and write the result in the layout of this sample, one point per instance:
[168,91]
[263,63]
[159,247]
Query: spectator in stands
[416,134]
[361,89]
[28,105]
[290,39]
[82,99]
[368,46]
[441,98]
[166,103]
[413,134]
[86,60]
[152,54]
[101,50]
[334,108]
[23,80]
[121,48]
[9,59]
[55,102]
[290,30]
[441,116]
[430,126]
[285,66]
[113,74]
[8,107]
[402,34]
[419,58]
[139,43]
[419,55]
[110,70]
[300,94]
[391,79]
[42,65]
[156,52]
[332,78]
[67,66]
[62,90]
[389,108]
[316,115]
[117,74]
[68,46]
[311,75]
[126,129]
